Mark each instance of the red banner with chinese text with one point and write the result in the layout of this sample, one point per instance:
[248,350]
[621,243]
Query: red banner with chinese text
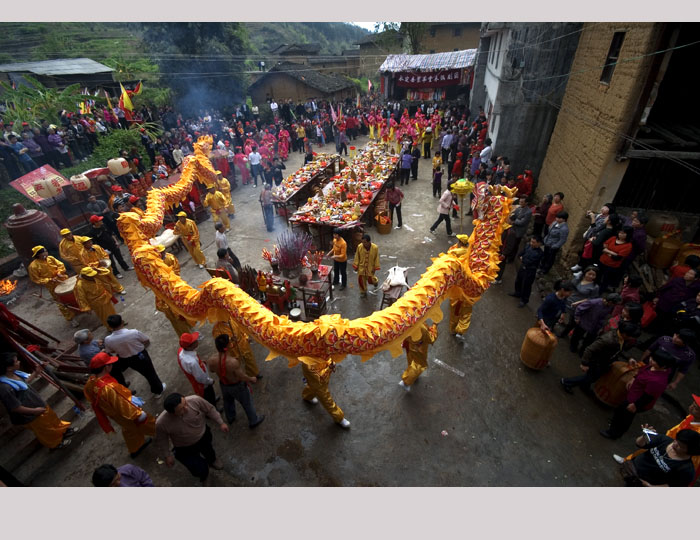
[25,184]
[428,79]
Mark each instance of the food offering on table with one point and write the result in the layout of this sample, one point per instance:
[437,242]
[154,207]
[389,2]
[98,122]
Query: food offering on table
[343,200]
[461,275]
[295,181]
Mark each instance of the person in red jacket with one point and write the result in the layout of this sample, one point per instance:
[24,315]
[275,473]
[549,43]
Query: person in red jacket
[457,168]
[615,251]
[642,392]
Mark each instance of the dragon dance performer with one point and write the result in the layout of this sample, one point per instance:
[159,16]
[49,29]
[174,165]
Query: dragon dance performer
[224,187]
[93,256]
[316,390]
[48,272]
[180,324]
[70,249]
[417,355]
[112,401]
[189,232]
[216,202]
[460,310]
[92,294]
[366,264]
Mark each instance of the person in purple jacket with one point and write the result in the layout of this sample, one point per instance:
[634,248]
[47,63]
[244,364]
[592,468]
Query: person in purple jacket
[590,316]
[670,295]
[125,476]
[406,161]
[646,388]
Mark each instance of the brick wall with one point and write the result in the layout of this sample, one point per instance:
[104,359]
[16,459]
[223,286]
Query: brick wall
[580,160]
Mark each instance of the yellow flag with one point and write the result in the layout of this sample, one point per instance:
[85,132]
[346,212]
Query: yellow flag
[125,99]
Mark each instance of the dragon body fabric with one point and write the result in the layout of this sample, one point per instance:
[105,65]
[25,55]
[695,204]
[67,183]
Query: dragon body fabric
[461,274]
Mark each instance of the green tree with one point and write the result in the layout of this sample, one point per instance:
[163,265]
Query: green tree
[202,63]
[412,33]
[37,102]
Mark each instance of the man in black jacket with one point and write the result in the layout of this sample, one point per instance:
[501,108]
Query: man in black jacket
[530,259]
[103,238]
[599,355]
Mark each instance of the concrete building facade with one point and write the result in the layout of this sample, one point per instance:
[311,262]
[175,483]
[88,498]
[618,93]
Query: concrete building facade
[519,80]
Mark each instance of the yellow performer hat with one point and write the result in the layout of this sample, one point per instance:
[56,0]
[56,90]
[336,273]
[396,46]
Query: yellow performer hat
[88,271]
[37,249]
[180,214]
[65,232]
[160,248]
[84,239]
[464,238]
[219,172]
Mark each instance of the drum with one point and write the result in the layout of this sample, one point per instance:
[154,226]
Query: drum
[64,292]
[295,314]
[537,348]
[611,388]
[105,263]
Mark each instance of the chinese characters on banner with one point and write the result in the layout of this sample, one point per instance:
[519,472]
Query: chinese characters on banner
[25,184]
[428,79]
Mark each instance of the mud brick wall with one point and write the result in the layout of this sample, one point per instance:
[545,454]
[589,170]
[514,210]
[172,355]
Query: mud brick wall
[580,160]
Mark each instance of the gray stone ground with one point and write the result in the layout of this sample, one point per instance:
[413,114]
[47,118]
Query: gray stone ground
[506,425]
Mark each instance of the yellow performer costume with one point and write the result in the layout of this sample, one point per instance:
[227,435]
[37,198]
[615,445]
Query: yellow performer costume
[190,236]
[225,189]
[460,309]
[93,294]
[71,250]
[217,204]
[93,258]
[112,401]
[366,263]
[417,354]
[317,379]
[48,273]
[48,428]
[180,324]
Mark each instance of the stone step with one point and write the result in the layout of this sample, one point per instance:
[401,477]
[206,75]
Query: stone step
[18,444]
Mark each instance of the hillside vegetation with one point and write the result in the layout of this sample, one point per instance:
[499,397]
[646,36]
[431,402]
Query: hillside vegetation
[22,42]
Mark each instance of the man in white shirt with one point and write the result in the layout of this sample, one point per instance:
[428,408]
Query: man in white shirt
[274,107]
[254,158]
[194,368]
[486,153]
[445,145]
[130,346]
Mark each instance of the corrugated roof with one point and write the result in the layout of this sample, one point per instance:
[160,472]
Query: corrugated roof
[429,62]
[64,66]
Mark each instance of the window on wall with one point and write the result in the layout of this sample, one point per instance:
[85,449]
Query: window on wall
[498,51]
[613,55]
[457,32]
[432,31]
